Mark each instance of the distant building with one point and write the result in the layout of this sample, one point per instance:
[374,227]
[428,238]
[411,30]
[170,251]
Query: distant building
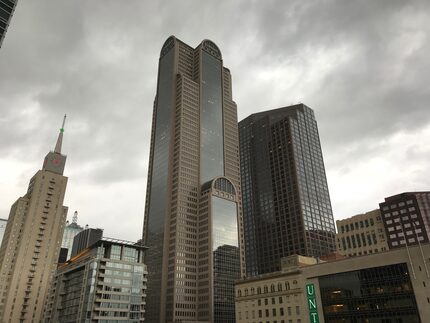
[7,7]
[106,283]
[3,223]
[286,202]
[84,239]
[406,218]
[391,286]
[70,231]
[361,234]
[32,240]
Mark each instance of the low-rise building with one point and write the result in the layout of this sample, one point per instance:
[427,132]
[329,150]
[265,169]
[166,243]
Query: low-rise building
[392,286]
[104,283]
[361,234]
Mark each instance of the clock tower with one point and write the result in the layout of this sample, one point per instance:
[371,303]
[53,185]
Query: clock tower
[54,160]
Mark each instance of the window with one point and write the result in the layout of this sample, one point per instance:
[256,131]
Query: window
[298,310]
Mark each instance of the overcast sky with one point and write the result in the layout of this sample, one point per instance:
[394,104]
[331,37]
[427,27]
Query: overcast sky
[363,66]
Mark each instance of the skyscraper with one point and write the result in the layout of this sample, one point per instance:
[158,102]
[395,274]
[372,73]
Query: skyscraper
[7,8]
[70,231]
[32,240]
[286,203]
[193,207]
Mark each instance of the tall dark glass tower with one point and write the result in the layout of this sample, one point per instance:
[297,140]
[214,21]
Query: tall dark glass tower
[193,207]
[7,8]
[286,203]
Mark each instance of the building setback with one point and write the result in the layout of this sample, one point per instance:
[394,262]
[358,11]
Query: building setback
[361,234]
[7,7]
[32,240]
[104,283]
[286,203]
[391,286]
[406,218]
[192,220]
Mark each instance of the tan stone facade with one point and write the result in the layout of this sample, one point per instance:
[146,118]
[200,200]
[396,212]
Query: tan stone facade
[30,248]
[255,303]
[361,234]
[32,240]
[277,297]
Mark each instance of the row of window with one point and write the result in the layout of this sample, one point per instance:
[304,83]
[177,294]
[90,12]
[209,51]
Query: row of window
[273,289]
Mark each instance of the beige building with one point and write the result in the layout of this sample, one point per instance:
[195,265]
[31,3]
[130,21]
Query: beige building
[361,234]
[31,243]
[275,297]
[193,215]
[392,286]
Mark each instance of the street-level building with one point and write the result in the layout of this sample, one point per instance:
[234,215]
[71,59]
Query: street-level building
[361,234]
[32,241]
[391,286]
[406,218]
[104,283]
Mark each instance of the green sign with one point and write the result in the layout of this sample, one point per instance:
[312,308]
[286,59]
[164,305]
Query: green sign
[312,303]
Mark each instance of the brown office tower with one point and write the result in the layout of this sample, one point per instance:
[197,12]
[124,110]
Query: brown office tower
[193,210]
[32,240]
[406,218]
[286,203]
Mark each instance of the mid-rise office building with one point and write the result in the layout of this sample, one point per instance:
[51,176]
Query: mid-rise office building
[406,218]
[3,223]
[32,241]
[391,286]
[70,231]
[7,7]
[105,283]
[84,239]
[361,234]
[286,202]
[193,208]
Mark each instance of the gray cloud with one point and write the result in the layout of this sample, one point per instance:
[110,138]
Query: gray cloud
[362,66]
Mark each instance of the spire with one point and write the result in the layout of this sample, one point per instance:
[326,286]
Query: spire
[75,217]
[60,138]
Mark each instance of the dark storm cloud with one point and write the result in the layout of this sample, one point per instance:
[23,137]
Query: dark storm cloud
[361,65]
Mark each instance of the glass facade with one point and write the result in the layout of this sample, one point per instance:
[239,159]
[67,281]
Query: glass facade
[312,184]
[286,204]
[194,158]
[211,119]
[226,258]
[375,295]
[107,284]
[158,179]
